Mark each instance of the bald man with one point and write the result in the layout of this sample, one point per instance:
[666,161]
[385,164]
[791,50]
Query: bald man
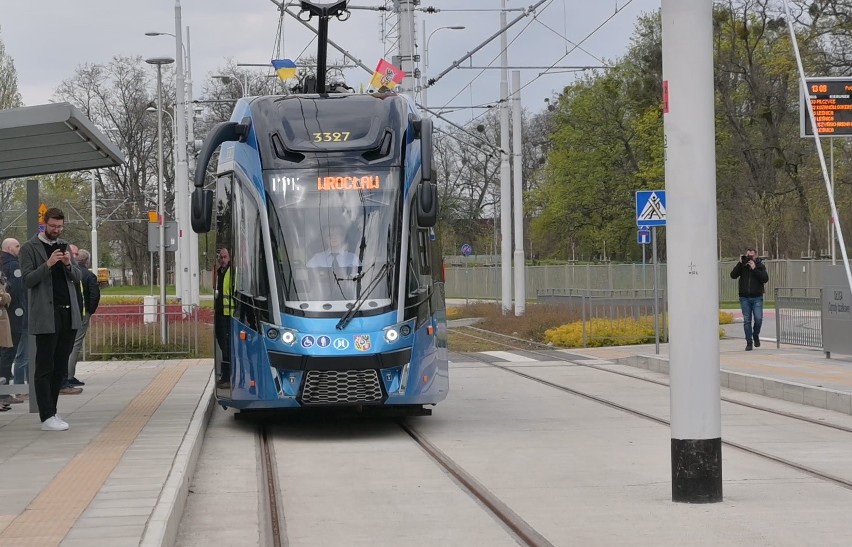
[13,361]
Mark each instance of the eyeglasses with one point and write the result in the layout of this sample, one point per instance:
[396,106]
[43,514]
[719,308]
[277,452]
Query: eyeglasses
[56,226]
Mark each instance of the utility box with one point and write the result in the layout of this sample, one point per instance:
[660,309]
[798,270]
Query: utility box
[836,311]
[149,309]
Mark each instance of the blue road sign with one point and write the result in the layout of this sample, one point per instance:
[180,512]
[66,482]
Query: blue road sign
[651,208]
[643,236]
[466,249]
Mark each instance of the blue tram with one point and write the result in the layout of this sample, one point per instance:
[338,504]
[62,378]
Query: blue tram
[335,295]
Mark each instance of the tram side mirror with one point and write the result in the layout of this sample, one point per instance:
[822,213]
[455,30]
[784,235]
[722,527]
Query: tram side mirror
[426,149]
[221,132]
[201,210]
[427,204]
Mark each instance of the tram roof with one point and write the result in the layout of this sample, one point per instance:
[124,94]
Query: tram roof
[52,138]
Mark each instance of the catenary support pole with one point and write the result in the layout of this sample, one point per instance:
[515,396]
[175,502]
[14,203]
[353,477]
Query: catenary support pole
[182,255]
[518,197]
[505,175]
[194,278]
[693,277]
[94,262]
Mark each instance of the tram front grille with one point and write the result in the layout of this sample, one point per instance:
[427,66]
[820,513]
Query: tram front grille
[334,387]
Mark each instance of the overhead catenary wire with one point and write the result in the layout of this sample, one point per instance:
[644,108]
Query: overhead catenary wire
[499,54]
[546,72]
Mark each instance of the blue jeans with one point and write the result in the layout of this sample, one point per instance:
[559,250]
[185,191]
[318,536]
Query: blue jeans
[752,307]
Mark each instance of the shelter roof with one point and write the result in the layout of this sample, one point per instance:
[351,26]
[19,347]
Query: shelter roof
[52,138]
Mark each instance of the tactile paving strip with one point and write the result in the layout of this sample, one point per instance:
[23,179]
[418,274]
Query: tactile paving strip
[50,516]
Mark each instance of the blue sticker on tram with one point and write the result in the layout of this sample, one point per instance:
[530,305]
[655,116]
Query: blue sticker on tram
[307,342]
[323,341]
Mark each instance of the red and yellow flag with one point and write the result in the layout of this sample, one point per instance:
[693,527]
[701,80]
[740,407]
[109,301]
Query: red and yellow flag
[387,76]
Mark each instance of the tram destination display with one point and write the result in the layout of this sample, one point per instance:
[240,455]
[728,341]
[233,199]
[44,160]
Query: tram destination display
[832,103]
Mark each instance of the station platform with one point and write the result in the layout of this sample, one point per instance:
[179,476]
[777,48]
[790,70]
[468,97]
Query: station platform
[790,373]
[119,475]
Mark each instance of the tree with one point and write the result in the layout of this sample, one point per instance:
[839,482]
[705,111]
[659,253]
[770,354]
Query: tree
[607,142]
[10,97]
[116,96]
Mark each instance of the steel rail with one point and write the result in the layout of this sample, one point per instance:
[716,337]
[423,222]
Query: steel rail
[839,481]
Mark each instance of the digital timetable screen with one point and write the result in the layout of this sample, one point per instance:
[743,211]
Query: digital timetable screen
[832,103]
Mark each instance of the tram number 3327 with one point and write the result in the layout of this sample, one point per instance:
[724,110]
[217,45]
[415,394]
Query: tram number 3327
[336,136]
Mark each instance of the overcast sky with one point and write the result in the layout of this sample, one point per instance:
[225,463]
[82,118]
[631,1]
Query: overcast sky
[49,39]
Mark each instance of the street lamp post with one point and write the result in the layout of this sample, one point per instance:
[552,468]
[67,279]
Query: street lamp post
[159,62]
[185,270]
[426,56]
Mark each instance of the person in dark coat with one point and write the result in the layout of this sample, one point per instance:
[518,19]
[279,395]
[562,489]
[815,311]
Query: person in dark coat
[752,276]
[13,361]
[88,297]
[54,313]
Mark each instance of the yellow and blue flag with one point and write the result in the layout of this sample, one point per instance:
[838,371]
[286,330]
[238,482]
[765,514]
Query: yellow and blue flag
[285,68]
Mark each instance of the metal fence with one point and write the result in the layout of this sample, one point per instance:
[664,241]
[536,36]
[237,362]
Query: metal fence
[798,316]
[483,282]
[133,330]
[605,313]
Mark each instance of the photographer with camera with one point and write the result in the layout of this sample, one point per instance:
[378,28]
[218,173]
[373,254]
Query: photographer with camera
[752,275]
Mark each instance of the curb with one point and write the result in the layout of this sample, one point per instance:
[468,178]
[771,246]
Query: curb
[162,526]
[829,399]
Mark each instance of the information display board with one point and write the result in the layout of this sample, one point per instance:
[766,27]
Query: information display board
[832,103]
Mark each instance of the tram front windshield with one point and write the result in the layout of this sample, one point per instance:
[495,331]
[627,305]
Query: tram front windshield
[334,236]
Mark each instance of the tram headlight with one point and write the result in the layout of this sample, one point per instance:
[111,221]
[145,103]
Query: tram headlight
[272,334]
[391,335]
[288,336]
[405,330]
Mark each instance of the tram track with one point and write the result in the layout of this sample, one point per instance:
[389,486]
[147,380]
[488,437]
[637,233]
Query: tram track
[555,357]
[839,481]
[521,529]
[275,531]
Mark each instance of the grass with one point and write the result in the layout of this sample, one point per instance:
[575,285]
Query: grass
[537,319]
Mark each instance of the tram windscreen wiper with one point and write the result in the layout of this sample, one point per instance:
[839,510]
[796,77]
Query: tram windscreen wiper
[350,313]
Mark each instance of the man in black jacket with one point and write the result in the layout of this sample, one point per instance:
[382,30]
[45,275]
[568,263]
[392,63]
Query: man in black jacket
[13,361]
[752,275]
[88,296]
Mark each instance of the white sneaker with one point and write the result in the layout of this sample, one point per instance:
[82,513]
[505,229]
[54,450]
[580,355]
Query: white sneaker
[58,417]
[53,424]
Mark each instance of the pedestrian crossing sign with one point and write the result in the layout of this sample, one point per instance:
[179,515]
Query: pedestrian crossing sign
[651,208]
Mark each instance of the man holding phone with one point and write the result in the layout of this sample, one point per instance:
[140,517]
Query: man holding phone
[54,313]
[752,276]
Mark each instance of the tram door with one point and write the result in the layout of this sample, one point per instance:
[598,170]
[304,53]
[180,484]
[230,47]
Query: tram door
[223,280]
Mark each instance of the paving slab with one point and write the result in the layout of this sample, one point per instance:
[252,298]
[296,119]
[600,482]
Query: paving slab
[105,480]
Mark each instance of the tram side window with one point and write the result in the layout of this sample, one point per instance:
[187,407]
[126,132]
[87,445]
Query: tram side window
[224,216]
[251,288]
[419,265]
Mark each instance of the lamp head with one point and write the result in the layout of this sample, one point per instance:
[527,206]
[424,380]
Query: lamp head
[160,61]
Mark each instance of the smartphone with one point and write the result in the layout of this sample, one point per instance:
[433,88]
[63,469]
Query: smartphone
[62,246]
